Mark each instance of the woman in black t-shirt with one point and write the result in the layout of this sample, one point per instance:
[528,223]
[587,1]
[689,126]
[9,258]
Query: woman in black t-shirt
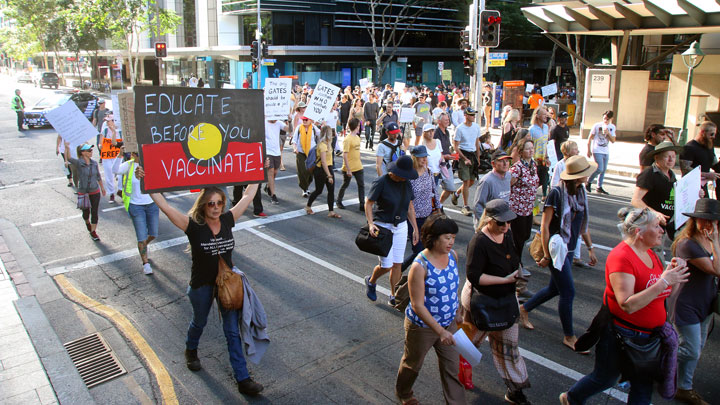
[209,231]
[493,269]
[699,244]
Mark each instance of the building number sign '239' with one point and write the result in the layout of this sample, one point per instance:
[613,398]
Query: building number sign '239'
[192,138]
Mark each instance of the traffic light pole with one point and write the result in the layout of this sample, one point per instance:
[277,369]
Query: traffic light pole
[157,38]
[258,37]
[479,61]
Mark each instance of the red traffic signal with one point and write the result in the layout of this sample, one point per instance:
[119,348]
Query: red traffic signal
[490,28]
[160,49]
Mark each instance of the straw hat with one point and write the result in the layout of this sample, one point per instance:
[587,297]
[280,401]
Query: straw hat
[577,167]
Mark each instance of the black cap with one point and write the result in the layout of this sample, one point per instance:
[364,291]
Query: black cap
[563,114]
[499,210]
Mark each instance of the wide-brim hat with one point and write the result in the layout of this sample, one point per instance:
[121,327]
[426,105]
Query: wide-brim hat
[301,105]
[403,167]
[463,99]
[499,210]
[665,146]
[578,166]
[705,208]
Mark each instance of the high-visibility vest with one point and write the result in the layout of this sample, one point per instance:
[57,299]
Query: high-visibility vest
[127,186]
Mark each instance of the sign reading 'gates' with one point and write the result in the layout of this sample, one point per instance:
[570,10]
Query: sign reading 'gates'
[197,137]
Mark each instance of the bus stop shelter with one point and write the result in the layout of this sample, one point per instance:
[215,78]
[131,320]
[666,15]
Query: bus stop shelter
[624,85]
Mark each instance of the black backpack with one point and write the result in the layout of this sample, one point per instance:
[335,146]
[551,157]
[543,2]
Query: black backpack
[484,161]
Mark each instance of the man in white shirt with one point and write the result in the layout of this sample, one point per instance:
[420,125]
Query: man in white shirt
[272,154]
[458,116]
[465,142]
[193,82]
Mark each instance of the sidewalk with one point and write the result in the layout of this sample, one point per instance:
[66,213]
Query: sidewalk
[22,376]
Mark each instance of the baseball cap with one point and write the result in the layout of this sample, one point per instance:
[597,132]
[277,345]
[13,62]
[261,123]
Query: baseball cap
[428,127]
[470,111]
[500,154]
[392,128]
[86,146]
[563,114]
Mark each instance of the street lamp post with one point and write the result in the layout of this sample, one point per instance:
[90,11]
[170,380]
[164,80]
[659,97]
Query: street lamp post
[692,59]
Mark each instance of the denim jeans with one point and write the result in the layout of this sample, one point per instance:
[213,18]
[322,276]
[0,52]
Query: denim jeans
[602,161]
[201,299]
[692,341]
[607,371]
[561,283]
[145,220]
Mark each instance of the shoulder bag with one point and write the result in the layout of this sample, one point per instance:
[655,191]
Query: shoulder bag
[536,248]
[491,314]
[381,244]
[639,356]
[230,290]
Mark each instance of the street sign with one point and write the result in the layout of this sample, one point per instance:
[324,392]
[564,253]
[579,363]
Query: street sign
[496,62]
[441,66]
[497,56]
[402,59]
[200,59]
[269,62]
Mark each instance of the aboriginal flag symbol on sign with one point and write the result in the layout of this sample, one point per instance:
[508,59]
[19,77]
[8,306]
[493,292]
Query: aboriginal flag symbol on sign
[197,137]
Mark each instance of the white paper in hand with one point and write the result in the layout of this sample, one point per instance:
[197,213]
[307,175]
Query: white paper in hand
[466,349]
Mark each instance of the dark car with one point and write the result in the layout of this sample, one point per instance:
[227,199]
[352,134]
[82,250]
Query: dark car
[35,116]
[49,79]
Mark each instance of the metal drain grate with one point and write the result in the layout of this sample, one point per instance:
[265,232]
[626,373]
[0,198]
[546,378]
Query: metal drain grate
[94,360]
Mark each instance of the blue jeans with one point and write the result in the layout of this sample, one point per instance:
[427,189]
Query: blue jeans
[692,341]
[201,299]
[561,283]
[145,220]
[607,372]
[602,161]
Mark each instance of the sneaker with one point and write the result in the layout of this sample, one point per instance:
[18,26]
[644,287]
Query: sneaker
[601,191]
[260,215]
[454,198]
[339,204]
[249,387]
[147,270]
[466,211]
[689,397]
[370,289]
[70,184]
[516,397]
[94,236]
[305,194]
[391,301]
[274,200]
[192,361]
[112,199]
[589,188]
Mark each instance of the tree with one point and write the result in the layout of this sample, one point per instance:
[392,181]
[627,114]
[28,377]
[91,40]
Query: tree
[130,18]
[31,18]
[388,24]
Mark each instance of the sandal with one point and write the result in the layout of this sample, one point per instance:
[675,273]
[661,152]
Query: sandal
[309,211]
[334,215]
[570,342]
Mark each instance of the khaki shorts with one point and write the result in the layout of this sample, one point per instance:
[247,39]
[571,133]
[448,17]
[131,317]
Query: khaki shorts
[468,172]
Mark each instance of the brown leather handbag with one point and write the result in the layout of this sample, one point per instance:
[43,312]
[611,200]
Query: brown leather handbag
[536,248]
[229,285]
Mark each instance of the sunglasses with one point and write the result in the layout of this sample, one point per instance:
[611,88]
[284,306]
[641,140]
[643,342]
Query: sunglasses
[500,223]
[213,204]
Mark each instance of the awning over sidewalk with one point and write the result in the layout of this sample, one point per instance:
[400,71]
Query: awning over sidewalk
[614,17]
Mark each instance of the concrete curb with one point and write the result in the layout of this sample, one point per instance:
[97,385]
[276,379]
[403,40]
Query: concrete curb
[63,376]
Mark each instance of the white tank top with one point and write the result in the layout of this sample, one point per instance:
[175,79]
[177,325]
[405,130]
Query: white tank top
[434,158]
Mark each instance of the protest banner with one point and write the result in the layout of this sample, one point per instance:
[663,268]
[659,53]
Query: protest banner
[529,88]
[364,83]
[198,137]
[125,110]
[322,100]
[71,124]
[687,192]
[398,87]
[407,114]
[277,98]
[549,90]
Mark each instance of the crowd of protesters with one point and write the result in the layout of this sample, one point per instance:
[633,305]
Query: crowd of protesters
[417,163]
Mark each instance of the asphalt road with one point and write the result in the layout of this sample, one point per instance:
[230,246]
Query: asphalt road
[329,343]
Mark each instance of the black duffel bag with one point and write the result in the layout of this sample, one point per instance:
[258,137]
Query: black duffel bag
[379,245]
[491,314]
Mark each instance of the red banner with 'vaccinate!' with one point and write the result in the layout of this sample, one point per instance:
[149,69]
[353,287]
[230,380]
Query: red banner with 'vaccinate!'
[191,138]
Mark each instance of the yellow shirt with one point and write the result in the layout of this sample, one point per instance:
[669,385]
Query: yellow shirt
[321,148]
[305,135]
[351,146]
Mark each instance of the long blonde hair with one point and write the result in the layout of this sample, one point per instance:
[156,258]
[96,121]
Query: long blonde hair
[513,115]
[197,212]
[533,118]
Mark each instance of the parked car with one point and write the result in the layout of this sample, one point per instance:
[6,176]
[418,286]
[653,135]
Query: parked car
[24,78]
[49,79]
[35,116]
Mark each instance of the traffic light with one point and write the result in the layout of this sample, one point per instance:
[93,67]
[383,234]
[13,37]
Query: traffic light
[160,50]
[254,65]
[254,50]
[265,52]
[489,28]
[465,39]
[468,63]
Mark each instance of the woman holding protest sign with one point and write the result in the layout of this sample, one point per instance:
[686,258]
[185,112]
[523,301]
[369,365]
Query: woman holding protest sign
[209,231]
[141,208]
[323,172]
[90,186]
[110,153]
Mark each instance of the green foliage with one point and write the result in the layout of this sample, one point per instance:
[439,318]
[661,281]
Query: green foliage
[18,43]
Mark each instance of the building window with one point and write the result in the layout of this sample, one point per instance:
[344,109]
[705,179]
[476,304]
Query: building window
[250,26]
[189,28]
